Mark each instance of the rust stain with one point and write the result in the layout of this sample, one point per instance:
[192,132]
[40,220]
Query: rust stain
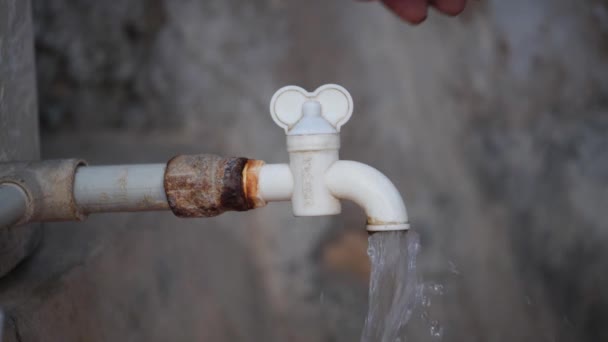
[148,202]
[205,185]
[232,194]
[251,175]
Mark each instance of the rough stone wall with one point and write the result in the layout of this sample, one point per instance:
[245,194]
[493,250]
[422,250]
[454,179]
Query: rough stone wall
[493,126]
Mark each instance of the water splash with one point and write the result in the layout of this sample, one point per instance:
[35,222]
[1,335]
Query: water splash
[395,288]
[436,330]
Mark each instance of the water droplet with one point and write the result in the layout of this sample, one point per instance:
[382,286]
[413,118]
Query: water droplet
[436,329]
[453,268]
[426,301]
[435,288]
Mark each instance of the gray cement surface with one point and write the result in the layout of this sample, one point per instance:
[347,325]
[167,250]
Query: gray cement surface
[492,125]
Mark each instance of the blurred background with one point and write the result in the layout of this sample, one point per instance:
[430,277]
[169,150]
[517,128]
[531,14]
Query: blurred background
[493,125]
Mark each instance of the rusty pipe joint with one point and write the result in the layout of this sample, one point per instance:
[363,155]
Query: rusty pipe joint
[207,185]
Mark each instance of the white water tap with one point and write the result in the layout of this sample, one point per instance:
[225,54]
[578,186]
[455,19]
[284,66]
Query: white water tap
[315,179]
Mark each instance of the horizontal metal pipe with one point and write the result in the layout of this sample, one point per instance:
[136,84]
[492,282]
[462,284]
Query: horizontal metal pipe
[120,188]
[13,204]
[63,190]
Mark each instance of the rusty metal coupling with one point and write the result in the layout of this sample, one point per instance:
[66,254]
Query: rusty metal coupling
[49,187]
[208,185]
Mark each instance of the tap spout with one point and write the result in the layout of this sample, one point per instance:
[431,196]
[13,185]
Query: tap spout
[371,190]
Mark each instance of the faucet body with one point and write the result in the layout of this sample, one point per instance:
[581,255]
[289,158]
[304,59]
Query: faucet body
[309,158]
[343,180]
[315,180]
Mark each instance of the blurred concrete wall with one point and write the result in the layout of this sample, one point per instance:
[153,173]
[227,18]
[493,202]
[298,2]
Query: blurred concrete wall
[18,114]
[493,125]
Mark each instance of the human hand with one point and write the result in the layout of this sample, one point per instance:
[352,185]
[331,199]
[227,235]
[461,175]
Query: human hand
[415,11]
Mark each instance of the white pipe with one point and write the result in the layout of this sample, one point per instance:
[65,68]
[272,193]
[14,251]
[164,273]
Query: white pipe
[120,188]
[275,183]
[370,189]
[13,204]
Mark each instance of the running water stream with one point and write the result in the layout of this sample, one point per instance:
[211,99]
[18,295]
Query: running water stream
[395,288]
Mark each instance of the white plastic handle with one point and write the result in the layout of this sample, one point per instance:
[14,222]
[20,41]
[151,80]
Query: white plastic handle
[336,105]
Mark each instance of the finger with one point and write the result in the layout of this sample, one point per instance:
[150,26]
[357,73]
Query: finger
[413,11]
[450,7]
